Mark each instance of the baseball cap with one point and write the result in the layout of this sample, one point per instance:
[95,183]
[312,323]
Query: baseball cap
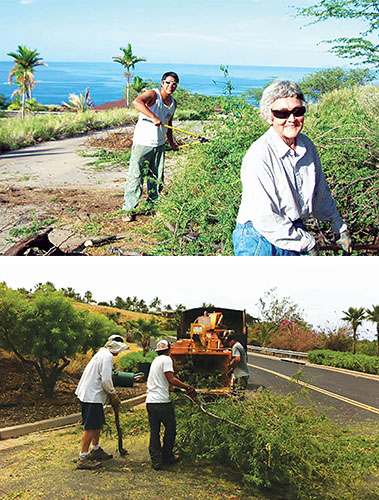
[162,345]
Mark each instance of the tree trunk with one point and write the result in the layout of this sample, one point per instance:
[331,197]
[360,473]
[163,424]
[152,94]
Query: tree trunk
[23,105]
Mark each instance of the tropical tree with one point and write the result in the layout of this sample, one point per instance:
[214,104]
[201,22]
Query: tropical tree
[365,11]
[143,331]
[355,317]
[138,86]
[44,331]
[373,316]
[25,62]
[128,60]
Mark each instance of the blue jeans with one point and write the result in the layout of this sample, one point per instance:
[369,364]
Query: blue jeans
[247,241]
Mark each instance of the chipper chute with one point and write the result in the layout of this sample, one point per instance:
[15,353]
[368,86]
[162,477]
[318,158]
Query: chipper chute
[202,360]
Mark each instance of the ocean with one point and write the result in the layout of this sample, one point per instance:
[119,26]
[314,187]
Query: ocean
[106,81]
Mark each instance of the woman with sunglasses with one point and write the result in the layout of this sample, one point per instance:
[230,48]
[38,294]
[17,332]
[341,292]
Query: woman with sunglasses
[156,108]
[283,183]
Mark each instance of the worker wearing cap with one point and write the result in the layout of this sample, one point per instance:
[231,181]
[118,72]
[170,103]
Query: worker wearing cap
[156,108]
[160,408]
[94,388]
[238,363]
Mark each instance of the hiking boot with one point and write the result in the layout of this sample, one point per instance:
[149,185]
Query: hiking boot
[99,454]
[156,466]
[85,463]
[127,218]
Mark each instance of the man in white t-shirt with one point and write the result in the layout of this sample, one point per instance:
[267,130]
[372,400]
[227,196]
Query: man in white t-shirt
[160,408]
[94,388]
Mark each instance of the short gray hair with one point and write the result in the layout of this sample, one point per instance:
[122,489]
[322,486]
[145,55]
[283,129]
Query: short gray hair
[277,90]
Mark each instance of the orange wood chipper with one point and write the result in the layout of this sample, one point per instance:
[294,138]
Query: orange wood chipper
[202,360]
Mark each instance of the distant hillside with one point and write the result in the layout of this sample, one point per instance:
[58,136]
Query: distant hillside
[124,315]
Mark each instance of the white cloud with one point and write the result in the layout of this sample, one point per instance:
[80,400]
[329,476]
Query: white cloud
[26,2]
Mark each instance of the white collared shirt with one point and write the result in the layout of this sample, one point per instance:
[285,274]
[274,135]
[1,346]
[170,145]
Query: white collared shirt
[281,186]
[96,382]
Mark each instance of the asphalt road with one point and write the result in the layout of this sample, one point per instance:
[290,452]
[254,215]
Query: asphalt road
[343,396]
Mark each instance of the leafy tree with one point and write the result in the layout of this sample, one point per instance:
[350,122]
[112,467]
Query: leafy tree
[373,315]
[314,86]
[274,310]
[45,330]
[88,297]
[143,331]
[71,293]
[365,11]
[355,317]
[128,60]
[25,62]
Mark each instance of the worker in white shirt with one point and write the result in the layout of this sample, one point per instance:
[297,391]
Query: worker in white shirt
[283,183]
[94,388]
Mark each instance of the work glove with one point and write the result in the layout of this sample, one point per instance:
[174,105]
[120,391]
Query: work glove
[313,252]
[345,241]
[191,393]
[114,400]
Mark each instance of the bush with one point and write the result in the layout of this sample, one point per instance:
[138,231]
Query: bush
[197,214]
[129,362]
[347,360]
[344,127]
[296,336]
[278,445]
[203,200]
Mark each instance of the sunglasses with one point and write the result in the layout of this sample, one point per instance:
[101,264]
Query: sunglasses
[283,114]
[173,84]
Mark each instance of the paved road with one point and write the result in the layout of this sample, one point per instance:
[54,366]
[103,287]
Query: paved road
[343,396]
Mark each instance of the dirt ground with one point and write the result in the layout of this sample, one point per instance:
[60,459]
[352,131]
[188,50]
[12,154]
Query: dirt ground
[51,184]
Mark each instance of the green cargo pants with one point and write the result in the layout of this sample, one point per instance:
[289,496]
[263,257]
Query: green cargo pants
[145,161]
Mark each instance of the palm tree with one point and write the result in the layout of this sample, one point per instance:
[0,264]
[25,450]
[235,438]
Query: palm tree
[143,330]
[25,62]
[373,316]
[355,317]
[128,60]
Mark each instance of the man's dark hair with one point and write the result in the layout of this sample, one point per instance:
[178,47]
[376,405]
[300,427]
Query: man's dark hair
[231,337]
[172,74]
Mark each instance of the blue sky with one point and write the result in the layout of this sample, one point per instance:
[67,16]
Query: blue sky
[239,32]
[322,286]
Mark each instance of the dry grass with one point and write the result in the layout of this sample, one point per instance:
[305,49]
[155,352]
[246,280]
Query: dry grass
[43,466]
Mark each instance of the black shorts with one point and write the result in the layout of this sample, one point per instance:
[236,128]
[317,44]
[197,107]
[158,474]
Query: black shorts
[92,415]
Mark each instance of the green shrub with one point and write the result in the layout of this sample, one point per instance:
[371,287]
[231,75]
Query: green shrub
[344,127]
[203,200]
[129,362]
[278,445]
[356,362]
[200,207]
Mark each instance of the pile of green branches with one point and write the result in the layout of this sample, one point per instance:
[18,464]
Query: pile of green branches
[279,446]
